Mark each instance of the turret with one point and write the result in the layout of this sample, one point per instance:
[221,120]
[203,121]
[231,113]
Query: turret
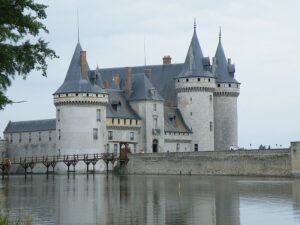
[225,101]
[147,102]
[195,86]
[80,110]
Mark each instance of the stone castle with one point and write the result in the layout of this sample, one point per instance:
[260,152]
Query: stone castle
[184,107]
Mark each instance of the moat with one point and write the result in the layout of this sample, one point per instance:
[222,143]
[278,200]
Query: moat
[101,199]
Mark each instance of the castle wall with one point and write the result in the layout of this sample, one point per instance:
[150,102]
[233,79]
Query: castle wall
[175,142]
[195,101]
[3,147]
[75,130]
[226,117]
[149,132]
[123,135]
[243,162]
[28,144]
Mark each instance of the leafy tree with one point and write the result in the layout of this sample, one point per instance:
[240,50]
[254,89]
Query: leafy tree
[21,50]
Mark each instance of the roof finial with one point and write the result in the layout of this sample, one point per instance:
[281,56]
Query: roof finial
[195,25]
[77,26]
[220,33]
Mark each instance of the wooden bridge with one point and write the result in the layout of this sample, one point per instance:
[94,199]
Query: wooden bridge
[51,161]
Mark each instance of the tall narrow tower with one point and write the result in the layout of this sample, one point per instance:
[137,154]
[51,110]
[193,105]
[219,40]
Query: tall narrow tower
[80,110]
[195,86]
[225,101]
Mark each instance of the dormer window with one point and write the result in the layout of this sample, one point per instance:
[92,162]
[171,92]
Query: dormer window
[172,117]
[152,91]
[116,105]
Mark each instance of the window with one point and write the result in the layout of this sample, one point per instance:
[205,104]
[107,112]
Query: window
[20,137]
[113,121]
[155,122]
[50,136]
[131,136]
[95,133]
[136,122]
[210,97]
[115,149]
[59,134]
[130,122]
[107,147]
[196,147]
[191,99]
[110,135]
[198,79]
[229,85]
[187,80]
[208,79]
[219,85]
[191,113]
[98,115]
[11,138]
[29,137]
[211,126]
[118,121]
[58,114]
[134,148]
[40,136]
[154,107]
[177,147]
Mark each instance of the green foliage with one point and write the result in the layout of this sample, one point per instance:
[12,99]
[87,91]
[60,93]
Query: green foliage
[5,220]
[21,51]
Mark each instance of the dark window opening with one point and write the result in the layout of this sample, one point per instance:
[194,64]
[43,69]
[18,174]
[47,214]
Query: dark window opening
[155,145]
[196,147]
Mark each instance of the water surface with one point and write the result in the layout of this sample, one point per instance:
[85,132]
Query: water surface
[112,199]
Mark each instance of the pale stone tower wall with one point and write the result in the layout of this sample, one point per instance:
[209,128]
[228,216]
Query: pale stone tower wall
[225,115]
[148,112]
[195,101]
[76,119]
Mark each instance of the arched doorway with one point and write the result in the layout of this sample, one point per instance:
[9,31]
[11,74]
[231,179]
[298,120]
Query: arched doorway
[154,145]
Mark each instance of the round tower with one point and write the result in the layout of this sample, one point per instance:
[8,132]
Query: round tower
[195,86]
[225,101]
[80,111]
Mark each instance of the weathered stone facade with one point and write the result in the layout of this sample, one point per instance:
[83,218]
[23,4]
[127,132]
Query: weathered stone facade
[251,162]
[146,109]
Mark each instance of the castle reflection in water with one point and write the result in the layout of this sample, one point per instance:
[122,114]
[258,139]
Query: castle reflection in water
[149,200]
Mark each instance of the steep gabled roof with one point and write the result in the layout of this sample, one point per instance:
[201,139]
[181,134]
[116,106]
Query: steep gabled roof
[143,89]
[122,108]
[195,64]
[73,81]
[162,77]
[30,126]
[224,72]
[174,121]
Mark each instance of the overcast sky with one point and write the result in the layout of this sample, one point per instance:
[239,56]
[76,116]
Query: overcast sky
[261,37]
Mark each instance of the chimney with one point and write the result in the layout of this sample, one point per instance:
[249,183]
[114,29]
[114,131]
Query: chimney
[167,60]
[148,73]
[106,84]
[83,64]
[128,83]
[116,79]
[229,60]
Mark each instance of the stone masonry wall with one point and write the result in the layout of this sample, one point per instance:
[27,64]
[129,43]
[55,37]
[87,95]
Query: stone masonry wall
[244,162]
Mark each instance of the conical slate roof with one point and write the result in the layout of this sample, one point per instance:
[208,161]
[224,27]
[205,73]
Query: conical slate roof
[143,89]
[73,82]
[224,72]
[195,64]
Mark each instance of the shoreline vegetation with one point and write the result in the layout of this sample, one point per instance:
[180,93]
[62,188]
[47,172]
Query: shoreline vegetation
[5,219]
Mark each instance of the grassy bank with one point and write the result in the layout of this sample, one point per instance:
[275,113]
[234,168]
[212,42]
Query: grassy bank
[6,220]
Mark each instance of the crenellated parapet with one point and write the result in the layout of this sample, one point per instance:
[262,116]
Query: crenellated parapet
[227,89]
[195,84]
[80,98]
